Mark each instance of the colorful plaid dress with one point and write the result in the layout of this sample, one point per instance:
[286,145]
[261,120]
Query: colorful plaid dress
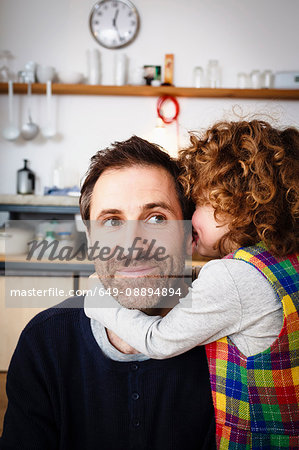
[256,398]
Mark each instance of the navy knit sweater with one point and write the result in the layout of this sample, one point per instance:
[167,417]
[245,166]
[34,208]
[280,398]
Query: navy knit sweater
[64,393]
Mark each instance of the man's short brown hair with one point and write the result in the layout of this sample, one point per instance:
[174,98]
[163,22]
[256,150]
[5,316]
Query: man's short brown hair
[132,152]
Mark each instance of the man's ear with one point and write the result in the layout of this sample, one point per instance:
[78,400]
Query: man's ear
[88,238]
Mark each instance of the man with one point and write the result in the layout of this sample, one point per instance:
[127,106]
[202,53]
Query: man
[74,385]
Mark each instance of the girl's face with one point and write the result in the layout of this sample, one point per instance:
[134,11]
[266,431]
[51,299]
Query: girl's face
[207,231]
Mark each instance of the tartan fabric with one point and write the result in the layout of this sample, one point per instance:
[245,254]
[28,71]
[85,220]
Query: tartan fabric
[256,398]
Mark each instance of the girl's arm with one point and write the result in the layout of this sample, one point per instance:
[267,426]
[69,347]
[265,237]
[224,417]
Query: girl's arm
[215,313]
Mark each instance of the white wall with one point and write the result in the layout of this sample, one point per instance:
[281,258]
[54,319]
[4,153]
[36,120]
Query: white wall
[242,34]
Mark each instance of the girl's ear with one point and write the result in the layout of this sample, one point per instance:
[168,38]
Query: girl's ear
[188,243]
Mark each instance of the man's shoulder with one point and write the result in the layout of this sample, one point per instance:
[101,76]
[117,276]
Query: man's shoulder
[65,311]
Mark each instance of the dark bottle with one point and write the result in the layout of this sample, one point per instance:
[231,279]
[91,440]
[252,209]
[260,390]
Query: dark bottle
[25,180]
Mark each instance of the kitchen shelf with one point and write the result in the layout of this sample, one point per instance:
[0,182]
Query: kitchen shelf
[49,209]
[151,91]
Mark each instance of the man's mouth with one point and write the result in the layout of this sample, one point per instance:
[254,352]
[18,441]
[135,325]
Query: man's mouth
[133,272]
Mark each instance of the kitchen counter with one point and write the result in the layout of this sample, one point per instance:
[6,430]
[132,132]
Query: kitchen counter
[19,206]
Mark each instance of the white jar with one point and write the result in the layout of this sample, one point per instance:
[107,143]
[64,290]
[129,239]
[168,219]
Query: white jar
[213,74]
[198,77]
[242,80]
[255,78]
[267,79]
[120,69]
[93,67]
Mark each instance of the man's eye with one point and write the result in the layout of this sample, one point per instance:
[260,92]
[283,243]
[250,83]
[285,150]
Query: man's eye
[156,220]
[112,223]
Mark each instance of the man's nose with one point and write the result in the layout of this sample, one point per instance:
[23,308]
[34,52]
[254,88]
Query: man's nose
[132,236]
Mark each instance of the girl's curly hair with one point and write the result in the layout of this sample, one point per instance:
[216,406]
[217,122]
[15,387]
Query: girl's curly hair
[249,172]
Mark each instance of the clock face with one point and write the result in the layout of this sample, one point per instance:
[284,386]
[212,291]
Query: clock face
[114,23]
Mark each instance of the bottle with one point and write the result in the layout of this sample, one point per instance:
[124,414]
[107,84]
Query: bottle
[58,176]
[213,74]
[25,180]
[50,237]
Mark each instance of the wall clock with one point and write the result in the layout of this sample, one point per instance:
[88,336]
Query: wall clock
[114,23]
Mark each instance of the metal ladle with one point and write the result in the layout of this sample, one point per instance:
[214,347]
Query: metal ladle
[10,132]
[49,130]
[29,130]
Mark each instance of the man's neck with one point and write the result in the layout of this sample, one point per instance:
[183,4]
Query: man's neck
[121,345]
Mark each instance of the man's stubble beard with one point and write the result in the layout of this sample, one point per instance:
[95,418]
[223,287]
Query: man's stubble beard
[168,276]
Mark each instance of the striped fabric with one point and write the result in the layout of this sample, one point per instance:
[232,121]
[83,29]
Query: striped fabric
[256,398]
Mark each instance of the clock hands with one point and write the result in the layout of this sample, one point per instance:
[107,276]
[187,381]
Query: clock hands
[115,26]
[114,18]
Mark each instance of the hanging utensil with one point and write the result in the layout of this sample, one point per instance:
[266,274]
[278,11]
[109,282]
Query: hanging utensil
[49,130]
[11,132]
[30,129]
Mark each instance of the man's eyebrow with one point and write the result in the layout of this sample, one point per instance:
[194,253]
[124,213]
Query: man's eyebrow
[162,205]
[105,212]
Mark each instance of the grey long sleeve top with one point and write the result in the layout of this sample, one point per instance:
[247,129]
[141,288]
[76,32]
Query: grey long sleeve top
[229,298]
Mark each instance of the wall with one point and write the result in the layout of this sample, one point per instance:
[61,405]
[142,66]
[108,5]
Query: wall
[243,35]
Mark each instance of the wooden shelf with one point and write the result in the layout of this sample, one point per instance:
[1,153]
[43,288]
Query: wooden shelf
[150,91]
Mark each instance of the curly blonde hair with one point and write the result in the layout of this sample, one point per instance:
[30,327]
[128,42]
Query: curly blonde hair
[249,173]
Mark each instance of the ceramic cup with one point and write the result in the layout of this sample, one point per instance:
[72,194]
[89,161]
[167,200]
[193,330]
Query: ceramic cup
[45,73]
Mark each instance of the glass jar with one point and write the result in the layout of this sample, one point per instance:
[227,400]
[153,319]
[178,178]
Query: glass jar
[255,78]
[213,74]
[198,77]
[267,79]
[6,73]
[242,80]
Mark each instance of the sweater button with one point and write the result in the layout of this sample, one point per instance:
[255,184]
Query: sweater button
[136,423]
[135,396]
[134,367]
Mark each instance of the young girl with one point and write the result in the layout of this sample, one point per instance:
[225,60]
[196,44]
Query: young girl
[243,178]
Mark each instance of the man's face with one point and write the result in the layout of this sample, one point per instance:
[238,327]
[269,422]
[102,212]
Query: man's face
[138,202]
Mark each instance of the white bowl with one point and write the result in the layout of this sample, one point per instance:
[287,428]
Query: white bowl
[70,77]
[14,241]
[45,73]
